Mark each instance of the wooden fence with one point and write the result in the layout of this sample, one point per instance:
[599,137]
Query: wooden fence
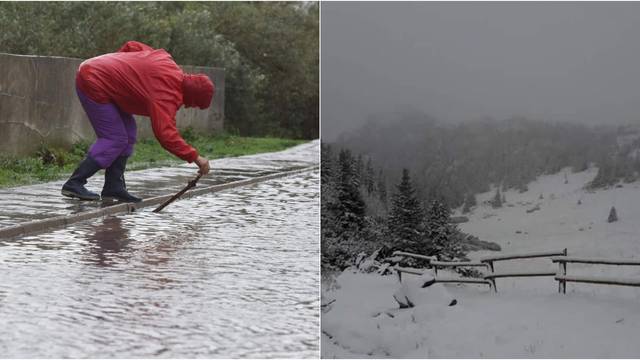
[563,278]
[433,263]
[502,257]
[488,262]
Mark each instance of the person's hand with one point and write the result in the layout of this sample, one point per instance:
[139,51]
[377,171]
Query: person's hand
[203,164]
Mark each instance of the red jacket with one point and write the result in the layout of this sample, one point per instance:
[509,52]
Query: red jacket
[142,81]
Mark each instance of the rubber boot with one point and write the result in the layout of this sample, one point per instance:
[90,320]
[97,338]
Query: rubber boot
[115,187]
[74,187]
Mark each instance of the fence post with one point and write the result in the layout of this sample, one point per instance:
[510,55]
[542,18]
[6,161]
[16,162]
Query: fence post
[399,275]
[559,281]
[564,282]
[564,273]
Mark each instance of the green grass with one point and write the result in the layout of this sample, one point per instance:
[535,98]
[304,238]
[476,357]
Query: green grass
[54,164]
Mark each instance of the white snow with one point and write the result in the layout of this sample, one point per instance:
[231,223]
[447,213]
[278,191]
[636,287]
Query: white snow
[583,229]
[527,317]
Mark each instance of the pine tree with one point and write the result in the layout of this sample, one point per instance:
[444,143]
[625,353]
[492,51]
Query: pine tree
[326,163]
[359,168]
[613,215]
[349,205]
[328,179]
[382,188]
[443,236]
[497,199]
[369,181]
[406,216]
[469,202]
[438,215]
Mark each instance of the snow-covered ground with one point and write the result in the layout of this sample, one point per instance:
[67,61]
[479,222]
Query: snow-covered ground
[563,223]
[527,317]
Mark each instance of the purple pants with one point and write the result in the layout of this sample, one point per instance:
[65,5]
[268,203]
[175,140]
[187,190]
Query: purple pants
[115,130]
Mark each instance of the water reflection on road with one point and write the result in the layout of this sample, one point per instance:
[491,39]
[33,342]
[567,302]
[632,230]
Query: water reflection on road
[229,274]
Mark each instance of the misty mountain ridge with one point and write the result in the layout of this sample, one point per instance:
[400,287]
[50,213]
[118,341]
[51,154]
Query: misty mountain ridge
[452,161]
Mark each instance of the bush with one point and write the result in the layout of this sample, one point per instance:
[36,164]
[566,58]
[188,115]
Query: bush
[270,51]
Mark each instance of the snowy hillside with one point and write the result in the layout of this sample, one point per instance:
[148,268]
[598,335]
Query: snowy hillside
[527,317]
[561,222]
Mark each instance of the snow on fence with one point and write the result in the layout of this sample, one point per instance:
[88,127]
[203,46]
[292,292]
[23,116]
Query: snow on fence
[531,255]
[486,262]
[456,264]
[491,259]
[440,279]
[563,278]
[559,256]
[416,256]
[432,262]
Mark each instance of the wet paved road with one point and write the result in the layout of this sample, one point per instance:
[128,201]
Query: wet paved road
[33,202]
[229,274]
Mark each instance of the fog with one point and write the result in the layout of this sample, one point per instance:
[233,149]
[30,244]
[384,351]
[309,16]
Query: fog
[463,61]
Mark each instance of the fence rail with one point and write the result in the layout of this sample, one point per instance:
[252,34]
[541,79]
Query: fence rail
[563,278]
[493,276]
[596,280]
[416,256]
[601,261]
[531,255]
[558,256]
[438,279]
[456,264]
[520,274]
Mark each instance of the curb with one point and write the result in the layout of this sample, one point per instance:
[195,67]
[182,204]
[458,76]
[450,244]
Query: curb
[38,226]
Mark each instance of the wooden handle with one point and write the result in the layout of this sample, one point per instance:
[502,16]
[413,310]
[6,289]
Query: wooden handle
[191,184]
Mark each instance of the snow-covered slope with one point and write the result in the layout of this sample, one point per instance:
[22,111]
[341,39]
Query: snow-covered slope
[561,221]
[569,216]
[527,317]
[364,321]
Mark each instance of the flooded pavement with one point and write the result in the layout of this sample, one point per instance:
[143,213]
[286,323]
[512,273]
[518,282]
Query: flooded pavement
[229,274]
[41,201]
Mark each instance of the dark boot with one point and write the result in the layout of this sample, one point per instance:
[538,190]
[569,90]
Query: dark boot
[74,187]
[114,185]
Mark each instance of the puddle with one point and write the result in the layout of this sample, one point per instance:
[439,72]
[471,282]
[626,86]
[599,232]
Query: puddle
[229,274]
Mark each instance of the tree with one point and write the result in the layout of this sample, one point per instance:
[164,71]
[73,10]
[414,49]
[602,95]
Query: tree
[282,39]
[443,236]
[382,187]
[326,163]
[613,215]
[469,202]
[497,199]
[351,208]
[369,178]
[406,216]
[270,51]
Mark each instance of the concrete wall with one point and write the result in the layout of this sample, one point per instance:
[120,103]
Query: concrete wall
[38,104]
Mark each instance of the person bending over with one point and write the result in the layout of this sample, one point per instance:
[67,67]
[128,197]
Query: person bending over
[140,80]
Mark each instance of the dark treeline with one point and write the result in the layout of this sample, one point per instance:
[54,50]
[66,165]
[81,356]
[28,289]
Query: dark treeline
[360,214]
[270,51]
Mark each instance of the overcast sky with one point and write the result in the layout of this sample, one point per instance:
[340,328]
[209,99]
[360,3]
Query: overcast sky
[464,61]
